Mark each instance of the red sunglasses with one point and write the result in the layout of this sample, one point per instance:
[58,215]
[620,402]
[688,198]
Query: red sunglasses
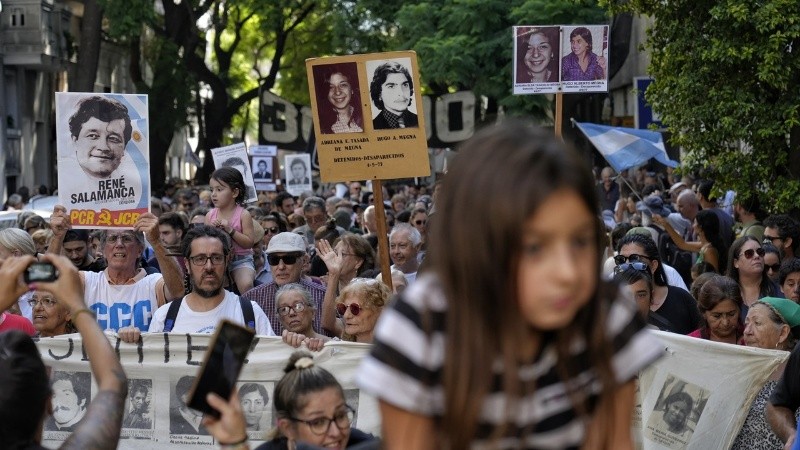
[341,308]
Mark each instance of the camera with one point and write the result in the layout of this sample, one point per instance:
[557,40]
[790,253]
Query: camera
[40,271]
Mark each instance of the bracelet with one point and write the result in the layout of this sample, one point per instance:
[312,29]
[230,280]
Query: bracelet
[82,310]
[235,445]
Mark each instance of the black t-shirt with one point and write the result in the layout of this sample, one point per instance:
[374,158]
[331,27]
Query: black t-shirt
[680,311]
[787,391]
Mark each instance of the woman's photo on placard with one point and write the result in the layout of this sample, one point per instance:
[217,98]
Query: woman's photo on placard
[338,98]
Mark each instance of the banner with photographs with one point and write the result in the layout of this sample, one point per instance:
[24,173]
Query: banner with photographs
[236,156]
[698,395]
[553,58]
[103,158]
[160,372]
[369,122]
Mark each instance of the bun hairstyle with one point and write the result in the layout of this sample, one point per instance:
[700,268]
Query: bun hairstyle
[301,377]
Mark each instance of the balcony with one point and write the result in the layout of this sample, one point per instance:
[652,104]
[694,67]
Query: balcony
[34,34]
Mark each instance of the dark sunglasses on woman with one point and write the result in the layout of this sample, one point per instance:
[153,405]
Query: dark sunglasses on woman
[749,253]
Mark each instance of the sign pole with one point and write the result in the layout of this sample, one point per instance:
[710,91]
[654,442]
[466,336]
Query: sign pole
[559,113]
[383,240]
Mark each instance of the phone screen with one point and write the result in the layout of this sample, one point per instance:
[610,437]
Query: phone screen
[221,366]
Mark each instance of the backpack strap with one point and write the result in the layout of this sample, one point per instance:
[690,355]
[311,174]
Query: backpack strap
[247,312]
[172,313]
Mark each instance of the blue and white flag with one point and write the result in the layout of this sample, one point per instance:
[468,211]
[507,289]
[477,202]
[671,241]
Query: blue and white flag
[624,148]
[190,156]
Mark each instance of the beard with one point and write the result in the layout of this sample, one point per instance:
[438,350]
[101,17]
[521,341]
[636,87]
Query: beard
[206,293]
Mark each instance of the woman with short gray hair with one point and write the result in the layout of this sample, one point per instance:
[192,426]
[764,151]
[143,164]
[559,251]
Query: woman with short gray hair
[295,309]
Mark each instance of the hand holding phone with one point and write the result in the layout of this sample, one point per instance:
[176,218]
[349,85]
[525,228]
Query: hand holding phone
[221,366]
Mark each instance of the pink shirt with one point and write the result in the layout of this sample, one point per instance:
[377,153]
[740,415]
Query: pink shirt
[15,322]
[236,223]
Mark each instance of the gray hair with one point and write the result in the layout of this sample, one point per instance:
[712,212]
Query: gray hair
[295,287]
[312,203]
[413,233]
[15,239]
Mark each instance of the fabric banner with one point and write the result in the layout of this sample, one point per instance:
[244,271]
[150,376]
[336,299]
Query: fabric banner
[160,371]
[715,382]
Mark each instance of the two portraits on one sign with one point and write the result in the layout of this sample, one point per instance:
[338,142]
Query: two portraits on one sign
[369,122]
[103,158]
[551,59]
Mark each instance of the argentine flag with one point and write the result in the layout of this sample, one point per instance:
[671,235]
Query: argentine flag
[624,148]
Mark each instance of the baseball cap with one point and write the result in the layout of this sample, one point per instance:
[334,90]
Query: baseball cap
[655,205]
[286,242]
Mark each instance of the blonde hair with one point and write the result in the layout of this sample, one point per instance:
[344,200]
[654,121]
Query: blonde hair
[15,239]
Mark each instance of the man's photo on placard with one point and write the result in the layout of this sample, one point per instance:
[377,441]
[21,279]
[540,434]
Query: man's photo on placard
[262,168]
[391,90]
[338,98]
[138,406]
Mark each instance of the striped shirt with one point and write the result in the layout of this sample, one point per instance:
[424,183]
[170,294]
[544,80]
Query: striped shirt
[410,360]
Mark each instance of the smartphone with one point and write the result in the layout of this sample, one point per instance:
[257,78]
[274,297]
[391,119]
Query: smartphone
[221,366]
[40,271]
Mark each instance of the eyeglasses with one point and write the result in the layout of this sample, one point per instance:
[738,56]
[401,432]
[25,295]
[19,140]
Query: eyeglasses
[320,425]
[749,253]
[622,259]
[125,238]
[298,307]
[46,302]
[420,222]
[355,308]
[625,266]
[772,239]
[290,259]
[773,267]
[201,260]
[271,230]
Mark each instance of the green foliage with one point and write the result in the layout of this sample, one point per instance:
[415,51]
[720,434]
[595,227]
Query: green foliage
[727,84]
[124,19]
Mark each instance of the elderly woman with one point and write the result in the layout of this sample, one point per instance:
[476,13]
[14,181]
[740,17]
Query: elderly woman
[720,303]
[296,312]
[358,306]
[50,317]
[746,267]
[16,242]
[769,324]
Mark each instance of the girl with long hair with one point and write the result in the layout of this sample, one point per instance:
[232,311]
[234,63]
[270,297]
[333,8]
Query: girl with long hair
[512,313]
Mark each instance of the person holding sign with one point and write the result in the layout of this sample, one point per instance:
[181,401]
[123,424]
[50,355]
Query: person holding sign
[392,91]
[582,64]
[516,340]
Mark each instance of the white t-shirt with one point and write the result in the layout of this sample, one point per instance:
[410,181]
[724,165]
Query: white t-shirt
[410,277]
[188,321]
[121,305]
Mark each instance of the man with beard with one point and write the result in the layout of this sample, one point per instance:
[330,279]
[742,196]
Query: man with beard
[206,251]
[76,248]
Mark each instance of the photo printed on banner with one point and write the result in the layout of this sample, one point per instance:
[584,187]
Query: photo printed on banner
[676,413]
[137,422]
[184,422]
[256,406]
[71,397]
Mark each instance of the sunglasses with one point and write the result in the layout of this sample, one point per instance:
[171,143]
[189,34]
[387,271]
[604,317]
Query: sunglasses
[420,222]
[622,259]
[772,239]
[773,267]
[749,253]
[274,260]
[341,308]
[271,230]
[640,266]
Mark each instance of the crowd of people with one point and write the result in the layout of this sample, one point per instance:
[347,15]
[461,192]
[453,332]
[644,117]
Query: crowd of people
[546,297]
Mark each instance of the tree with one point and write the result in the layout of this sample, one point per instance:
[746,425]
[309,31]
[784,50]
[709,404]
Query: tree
[727,78]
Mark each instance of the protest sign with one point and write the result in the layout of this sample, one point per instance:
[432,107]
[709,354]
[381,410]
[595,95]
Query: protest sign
[262,159]
[714,385]
[554,59]
[368,116]
[160,370]
[236,156]
[103,158]
[298,177]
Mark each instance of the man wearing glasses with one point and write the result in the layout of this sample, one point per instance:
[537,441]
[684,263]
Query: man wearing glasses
[206,251]
[124,295]
[783,232]
[286,256]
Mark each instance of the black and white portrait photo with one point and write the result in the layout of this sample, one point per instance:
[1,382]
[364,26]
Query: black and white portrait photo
[71,396]
[391,90]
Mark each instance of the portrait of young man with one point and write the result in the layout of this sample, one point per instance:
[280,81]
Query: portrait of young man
[392,94]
